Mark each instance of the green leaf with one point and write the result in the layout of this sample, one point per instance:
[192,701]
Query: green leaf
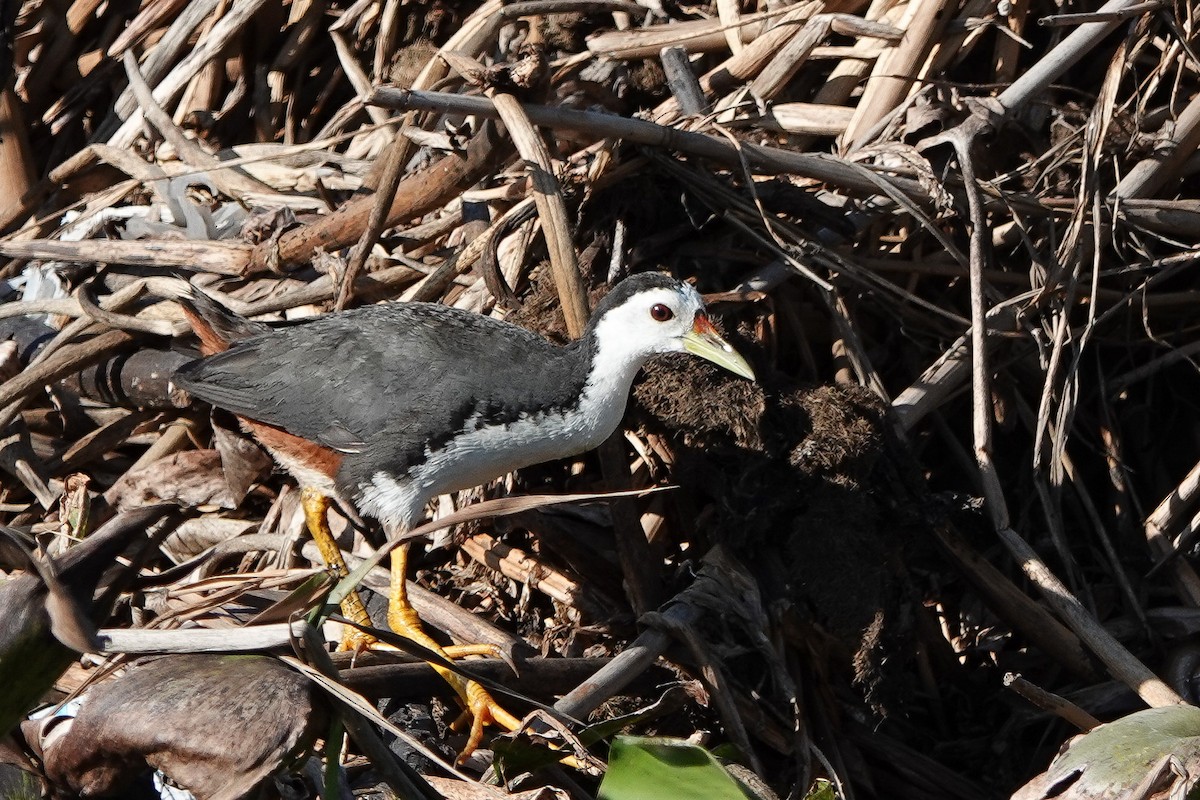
[1112,760]
[665,769]
[822,790]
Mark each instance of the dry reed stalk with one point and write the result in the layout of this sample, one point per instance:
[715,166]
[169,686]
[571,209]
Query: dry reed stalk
[746,64]
[223,258]
[791,57]
[699,36]
[229,25]
[766,159]
[202,92]
[1037,281]
[552,210]
[897,70]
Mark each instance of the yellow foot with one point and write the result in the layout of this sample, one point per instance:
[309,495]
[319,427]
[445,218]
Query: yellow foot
[358,642]
[480,706]
[482,709]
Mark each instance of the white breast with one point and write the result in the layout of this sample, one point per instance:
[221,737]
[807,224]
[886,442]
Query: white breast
[477,456]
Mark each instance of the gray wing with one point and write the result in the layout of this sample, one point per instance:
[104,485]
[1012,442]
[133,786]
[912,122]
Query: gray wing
[413,373]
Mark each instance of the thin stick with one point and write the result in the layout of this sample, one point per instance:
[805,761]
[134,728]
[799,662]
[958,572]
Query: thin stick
[1121,663]
[682,80]
[207,49]
[552,210]
[767,159]
[1048,701]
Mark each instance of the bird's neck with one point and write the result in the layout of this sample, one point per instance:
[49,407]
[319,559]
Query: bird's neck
[610,373]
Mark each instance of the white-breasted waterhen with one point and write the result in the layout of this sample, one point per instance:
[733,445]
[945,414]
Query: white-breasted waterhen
[388,406]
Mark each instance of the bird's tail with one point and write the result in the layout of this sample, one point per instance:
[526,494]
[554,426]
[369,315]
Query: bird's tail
[215,325]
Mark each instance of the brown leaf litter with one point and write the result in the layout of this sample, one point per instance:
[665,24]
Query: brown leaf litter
[955,238]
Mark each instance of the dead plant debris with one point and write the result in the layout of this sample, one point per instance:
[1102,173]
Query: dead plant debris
[957,240]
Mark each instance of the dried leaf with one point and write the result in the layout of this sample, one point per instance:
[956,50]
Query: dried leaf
[196,536]
[216,725]
[243,462]
[192,478]
[31,657]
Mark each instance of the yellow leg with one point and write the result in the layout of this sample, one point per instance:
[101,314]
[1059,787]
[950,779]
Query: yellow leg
[403,619]
[316,515]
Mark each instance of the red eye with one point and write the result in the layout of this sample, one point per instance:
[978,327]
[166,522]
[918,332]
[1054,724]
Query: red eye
[661,313]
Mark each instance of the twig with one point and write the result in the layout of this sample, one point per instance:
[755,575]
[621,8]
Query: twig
[1120,662]
[1053,20]
[1048,701]
[552,210]
[767,159]
[682,81]
[209,47]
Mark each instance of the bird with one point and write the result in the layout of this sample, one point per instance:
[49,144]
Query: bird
[386,406]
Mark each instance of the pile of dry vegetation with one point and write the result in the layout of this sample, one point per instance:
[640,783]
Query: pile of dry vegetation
[949,526]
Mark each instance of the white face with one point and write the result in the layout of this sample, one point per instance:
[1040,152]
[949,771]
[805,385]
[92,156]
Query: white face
[650,322]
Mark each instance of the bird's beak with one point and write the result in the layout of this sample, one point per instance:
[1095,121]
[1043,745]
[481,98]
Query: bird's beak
[704,341]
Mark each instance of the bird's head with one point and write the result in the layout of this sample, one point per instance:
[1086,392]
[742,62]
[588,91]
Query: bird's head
[652,313]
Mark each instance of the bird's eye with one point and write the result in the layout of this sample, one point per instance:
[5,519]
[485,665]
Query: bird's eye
[661,313]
